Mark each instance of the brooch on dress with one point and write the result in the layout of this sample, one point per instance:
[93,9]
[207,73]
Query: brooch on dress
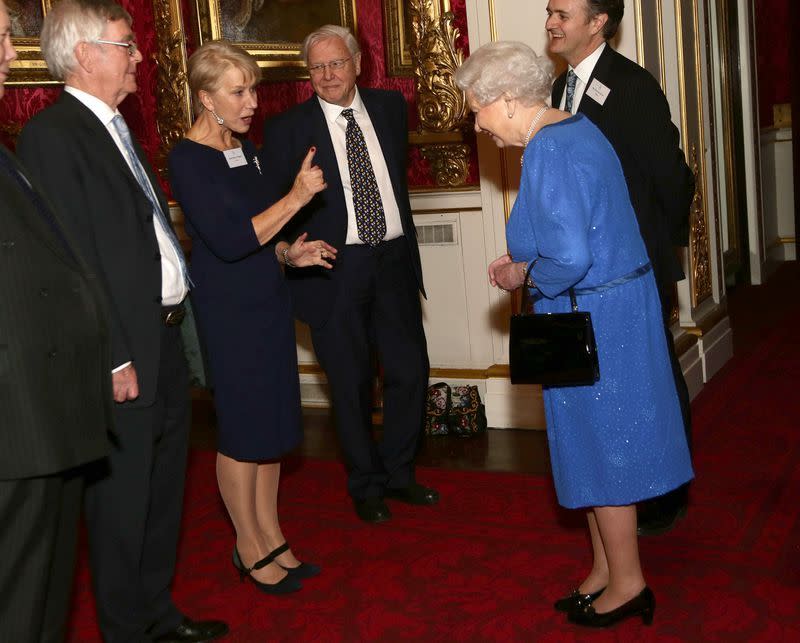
[257,164]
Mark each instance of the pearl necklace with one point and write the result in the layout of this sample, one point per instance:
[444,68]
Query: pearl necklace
[534,122]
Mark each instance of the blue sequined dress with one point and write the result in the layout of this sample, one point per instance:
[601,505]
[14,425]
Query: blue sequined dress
[620,440]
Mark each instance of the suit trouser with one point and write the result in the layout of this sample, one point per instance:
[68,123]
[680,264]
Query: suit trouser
[377,310]
[38,540]
[133,512]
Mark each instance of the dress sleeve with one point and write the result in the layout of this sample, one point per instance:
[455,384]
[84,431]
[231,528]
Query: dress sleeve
[208,204]
[558,201]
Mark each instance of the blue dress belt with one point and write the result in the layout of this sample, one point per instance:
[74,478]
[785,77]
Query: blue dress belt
[633,274]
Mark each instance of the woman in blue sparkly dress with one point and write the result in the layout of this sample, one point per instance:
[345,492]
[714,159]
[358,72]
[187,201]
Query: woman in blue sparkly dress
[242,303]
[620,440]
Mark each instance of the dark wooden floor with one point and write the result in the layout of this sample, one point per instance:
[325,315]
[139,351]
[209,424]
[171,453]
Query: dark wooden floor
[752,309]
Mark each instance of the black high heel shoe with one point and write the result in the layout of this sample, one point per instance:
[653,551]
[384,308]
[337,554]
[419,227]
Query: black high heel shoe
[643,604]
[302,571]
[285,585]
[576,601]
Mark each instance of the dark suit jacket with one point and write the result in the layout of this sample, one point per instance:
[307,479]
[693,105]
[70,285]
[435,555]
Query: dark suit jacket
[287,138]
[75,160]
[635,119]
[55,378]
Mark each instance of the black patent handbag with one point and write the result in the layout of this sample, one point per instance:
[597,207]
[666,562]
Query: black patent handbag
[552,349]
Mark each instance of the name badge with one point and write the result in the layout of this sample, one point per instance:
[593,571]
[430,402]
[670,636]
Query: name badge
[597,91]
[235,157]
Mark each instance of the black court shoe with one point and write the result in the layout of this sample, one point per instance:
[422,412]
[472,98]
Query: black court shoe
[285,585]
[643,604]
[302,571]
[576,601]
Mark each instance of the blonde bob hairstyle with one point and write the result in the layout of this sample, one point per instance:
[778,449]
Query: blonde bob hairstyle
[209,63]
[506,69]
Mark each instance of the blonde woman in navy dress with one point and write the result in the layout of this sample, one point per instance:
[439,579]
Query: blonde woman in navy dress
[620,440]
[242,303]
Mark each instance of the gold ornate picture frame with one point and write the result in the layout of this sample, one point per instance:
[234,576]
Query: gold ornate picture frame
[26,23]
[271,30]
[398,33]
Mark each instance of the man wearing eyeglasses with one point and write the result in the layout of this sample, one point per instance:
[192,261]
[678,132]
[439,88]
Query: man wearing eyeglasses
[81,152]
[369,304]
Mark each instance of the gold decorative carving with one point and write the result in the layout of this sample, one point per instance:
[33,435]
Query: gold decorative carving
[449,162]
[441,106]
[698,239]
[174,113]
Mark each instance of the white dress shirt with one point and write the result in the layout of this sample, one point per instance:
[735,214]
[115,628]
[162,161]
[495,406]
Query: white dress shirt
[337,126]
[173,287]
[583,70]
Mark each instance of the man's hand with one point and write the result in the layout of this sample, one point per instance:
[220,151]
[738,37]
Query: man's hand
[126,384]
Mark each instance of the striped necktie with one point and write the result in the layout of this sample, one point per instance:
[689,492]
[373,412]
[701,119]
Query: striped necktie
[138,171]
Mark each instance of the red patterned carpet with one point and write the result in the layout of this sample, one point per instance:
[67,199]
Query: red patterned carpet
[486,564]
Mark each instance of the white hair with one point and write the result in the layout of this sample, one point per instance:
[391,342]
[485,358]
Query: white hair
[506,68]
[331,31]
[69,22]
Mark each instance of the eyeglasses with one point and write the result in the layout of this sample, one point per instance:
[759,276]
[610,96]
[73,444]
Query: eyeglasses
[131,46]
[334,65]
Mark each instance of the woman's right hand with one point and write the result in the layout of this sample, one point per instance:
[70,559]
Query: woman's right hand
[308,182]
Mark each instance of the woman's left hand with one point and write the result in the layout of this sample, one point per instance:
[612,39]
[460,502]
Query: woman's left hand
[304,253]
[506,274]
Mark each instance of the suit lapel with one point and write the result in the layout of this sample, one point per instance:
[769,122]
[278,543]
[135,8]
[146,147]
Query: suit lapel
[601,73]
[386,137]
[325,156]
[108,150]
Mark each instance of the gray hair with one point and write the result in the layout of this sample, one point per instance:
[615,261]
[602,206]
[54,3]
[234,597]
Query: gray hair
[69,22]
[331,31]
[506,68]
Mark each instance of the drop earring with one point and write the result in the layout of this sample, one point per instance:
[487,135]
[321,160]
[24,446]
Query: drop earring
[217,117]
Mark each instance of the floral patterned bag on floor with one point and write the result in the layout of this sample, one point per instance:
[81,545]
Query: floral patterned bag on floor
[454,411]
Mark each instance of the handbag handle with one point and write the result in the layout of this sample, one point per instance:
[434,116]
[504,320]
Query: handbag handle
[525,304]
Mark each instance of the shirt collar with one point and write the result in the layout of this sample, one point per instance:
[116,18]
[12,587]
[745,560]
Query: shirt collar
[98,107]
[585,67]
[332,112]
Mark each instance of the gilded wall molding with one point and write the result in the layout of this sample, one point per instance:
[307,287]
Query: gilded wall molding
[449,163]
[441,105]
[174,113]
[700,256]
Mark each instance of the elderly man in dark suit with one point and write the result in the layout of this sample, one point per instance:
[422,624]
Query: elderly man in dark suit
[370,302]
[55,394]
[82,153]
[629,107]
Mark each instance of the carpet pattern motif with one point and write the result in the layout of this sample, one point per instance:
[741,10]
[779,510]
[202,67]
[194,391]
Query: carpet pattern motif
[487,563]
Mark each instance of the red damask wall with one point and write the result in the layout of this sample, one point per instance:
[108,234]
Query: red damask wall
[20,103]
[772,49]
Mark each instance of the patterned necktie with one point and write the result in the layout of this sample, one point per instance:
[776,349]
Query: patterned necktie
[370,219]
[572,78]
[147,188]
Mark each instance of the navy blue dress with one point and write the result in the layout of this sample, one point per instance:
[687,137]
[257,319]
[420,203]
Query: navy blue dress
[241,303]
[620,440]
